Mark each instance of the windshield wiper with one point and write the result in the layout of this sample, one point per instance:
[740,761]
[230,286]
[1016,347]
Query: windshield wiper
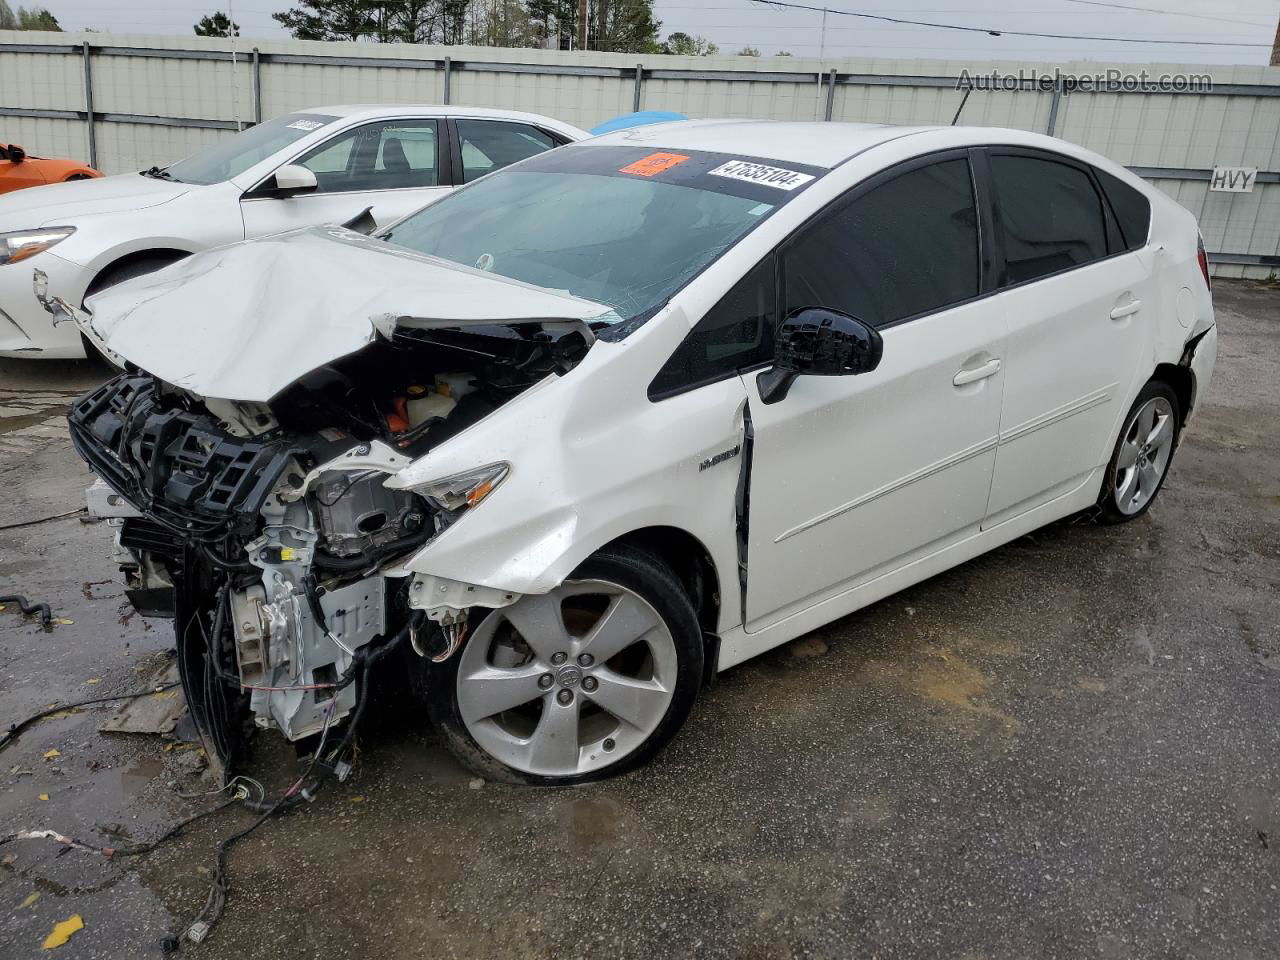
[159,173]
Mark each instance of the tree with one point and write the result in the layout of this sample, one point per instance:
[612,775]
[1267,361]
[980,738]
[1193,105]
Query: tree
[749,52]
[622,26]
[554,22]
[37,18]
[783,53]
[7,20]
[682,45]
[327,20]
[216,25]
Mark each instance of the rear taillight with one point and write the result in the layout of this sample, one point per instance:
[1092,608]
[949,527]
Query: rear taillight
[1204,261]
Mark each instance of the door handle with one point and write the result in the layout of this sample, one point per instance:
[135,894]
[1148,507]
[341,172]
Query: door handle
[1128,310]
[972,375]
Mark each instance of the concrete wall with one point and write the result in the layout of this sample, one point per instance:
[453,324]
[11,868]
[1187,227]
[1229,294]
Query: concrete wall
[156,99]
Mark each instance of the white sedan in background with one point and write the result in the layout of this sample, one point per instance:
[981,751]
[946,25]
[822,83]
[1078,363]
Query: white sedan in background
[321,165]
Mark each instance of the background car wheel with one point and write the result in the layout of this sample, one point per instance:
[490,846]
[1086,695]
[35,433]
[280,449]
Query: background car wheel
[109,278]
[582,683]
[127,271]
[1142,455]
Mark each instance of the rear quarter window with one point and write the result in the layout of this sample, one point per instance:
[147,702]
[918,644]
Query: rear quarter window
[1131,208]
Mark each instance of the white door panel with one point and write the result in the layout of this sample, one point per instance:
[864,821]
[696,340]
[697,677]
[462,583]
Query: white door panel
[267,215]
[855,475]
[1076,347]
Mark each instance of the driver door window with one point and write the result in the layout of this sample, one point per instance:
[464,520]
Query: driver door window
[389,155]
[904,248]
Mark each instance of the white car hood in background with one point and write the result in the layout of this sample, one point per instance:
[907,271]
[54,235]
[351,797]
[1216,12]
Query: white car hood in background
[57,204]
[243,322]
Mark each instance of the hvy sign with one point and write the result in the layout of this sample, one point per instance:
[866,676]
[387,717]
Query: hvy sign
[1233,179]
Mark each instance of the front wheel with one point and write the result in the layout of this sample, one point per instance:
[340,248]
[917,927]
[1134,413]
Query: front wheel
[1142,454]
[578,684]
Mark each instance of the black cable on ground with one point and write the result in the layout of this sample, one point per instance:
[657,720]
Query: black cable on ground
[46,615]
[135,850]
[8,736]
[215,902]
[33,523]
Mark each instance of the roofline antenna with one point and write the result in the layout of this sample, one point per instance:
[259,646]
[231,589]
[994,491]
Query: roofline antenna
[963,100]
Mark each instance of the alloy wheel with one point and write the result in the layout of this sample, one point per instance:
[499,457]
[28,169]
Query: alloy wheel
[567,682]
[1144,455]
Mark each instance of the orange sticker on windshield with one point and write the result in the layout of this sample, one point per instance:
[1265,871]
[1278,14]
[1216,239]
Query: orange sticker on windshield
[654,163]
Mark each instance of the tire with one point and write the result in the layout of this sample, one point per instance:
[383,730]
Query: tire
[1143,451]
[654,678]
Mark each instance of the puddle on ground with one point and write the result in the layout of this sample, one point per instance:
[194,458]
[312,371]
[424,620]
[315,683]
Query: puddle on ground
[591,823]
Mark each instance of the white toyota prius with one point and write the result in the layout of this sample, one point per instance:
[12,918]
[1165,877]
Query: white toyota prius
[323,165]
[583,433]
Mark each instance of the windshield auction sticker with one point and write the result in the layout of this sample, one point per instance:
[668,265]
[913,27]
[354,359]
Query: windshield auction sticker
[654,164]
[766,176]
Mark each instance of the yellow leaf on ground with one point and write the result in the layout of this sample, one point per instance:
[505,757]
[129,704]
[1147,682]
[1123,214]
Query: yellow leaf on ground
[357,799]
[31,898]
[44,796]
[50,754]
[94,680]
[63,621]
[62,932]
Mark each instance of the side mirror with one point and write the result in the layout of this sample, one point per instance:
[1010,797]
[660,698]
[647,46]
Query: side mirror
[814,341]
[292,179]
[362,222]
[16,153]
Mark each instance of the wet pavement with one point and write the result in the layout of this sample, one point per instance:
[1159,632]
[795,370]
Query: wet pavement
[1067,748]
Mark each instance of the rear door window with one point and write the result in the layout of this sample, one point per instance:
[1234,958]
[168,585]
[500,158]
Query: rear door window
[1051,215]
[488,145]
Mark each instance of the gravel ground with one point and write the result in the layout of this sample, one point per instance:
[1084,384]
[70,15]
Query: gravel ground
[1066,748]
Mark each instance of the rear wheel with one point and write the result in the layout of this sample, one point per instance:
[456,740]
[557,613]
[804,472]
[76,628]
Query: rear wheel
[578,684]
[1142,455]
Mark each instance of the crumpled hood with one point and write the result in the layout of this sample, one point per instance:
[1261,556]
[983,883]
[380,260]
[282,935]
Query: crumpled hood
[244,321]
[58,204]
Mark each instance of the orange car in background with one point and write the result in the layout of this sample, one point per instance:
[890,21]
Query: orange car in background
[18,170]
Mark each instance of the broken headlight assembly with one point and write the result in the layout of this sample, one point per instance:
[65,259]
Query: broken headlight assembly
[463,490]
[22,244]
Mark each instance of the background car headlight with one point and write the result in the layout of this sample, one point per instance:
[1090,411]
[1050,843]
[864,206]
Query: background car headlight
[463,490]
[22,244]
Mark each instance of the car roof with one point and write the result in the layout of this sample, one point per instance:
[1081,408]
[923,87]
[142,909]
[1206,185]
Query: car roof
[816,143]
[371,111]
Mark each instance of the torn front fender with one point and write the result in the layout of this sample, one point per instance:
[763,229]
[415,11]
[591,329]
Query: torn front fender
[573,487]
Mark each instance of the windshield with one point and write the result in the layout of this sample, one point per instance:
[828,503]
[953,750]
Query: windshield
[234,156]
[621,226]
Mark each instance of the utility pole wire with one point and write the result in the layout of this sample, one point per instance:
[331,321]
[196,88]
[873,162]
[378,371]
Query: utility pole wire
[1000,33]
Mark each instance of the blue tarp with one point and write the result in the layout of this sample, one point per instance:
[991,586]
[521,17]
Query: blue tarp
[636,120]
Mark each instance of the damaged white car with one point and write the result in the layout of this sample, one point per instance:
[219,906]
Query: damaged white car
[621,416]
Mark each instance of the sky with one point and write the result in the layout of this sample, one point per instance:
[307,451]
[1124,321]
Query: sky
[734,24]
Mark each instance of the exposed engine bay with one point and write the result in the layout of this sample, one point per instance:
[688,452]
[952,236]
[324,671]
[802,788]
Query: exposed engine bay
[266,531]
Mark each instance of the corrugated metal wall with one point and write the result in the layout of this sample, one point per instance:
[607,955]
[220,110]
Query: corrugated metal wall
[156,99]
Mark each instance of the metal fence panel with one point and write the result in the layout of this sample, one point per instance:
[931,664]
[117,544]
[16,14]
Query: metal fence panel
[156,99]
